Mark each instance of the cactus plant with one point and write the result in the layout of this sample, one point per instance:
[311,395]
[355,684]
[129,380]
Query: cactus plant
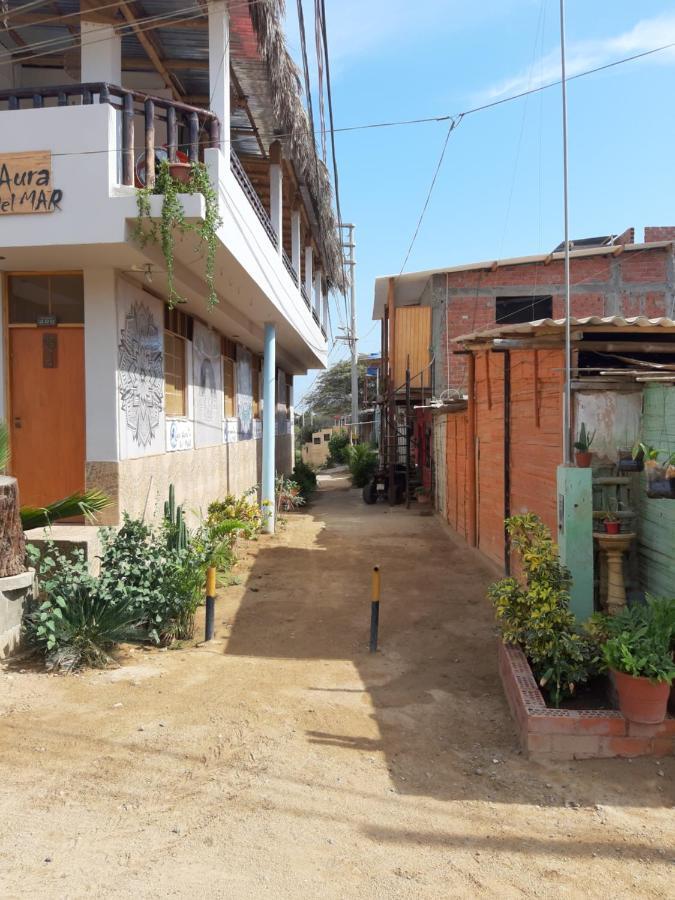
[177,533]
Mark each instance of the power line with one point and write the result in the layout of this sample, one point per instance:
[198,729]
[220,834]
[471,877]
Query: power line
[453,124]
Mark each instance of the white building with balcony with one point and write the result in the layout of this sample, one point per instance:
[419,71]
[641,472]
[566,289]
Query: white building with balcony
[104,384]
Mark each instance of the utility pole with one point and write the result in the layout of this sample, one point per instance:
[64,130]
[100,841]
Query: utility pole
[351,337]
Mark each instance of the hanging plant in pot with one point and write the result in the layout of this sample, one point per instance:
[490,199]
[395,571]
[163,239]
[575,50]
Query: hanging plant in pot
[584,456]
[639,656]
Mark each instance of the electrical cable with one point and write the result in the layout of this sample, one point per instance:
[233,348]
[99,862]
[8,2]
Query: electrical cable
[453,124]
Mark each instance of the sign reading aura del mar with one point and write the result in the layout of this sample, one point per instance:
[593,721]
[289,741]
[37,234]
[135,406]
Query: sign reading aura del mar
[26,183]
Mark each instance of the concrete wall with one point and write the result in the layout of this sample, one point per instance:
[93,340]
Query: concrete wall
[140,486]
[440,426]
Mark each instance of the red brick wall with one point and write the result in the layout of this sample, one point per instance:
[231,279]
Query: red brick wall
[631,284]
[659,233]
[489,393]
[536,431]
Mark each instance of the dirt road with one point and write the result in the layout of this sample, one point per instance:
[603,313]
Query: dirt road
[285,761]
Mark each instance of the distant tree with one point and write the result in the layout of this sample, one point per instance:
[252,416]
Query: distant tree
[331,394]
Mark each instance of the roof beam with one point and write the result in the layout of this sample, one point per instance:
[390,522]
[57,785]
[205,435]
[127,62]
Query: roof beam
[105,17]
[148,45]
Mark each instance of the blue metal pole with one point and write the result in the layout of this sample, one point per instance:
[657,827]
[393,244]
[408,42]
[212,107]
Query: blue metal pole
[269,409]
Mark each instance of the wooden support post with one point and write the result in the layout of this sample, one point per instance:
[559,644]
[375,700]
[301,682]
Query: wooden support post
[471,451]
[38,101]
[149,143]
[128,140]
[193,137]
[171,134]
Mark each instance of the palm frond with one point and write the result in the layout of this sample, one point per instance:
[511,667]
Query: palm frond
[81,503]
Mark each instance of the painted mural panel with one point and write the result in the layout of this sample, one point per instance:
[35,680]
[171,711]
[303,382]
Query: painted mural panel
[179,435]
[140,378]
[244,393]
[207,376]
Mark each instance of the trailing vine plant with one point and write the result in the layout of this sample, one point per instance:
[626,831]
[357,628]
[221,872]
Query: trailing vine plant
[173,219]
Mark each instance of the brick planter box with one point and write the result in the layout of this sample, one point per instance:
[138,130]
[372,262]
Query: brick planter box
[574,733]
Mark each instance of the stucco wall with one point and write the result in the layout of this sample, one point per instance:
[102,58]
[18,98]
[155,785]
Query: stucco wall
[140,486]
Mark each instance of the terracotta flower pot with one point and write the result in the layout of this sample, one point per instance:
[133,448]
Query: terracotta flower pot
[640,700]
[424,499]
[583,459]
[180,171]
[612,527]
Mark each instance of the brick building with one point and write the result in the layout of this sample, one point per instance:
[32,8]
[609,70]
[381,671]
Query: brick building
[610,276]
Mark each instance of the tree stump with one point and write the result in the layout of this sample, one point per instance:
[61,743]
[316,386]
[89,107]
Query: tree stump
[12,540]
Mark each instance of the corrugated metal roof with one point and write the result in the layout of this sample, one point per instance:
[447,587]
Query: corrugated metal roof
[531,328]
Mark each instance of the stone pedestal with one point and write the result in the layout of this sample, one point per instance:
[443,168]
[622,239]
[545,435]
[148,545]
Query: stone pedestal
[612,587]
[16,593]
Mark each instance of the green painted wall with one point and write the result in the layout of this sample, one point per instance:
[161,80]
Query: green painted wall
[656,527]
[575,535]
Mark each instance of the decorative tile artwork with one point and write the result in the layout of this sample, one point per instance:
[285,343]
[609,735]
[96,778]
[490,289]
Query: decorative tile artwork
[244,393]
[179,435]
[230,431]
[140,382]
[207,373]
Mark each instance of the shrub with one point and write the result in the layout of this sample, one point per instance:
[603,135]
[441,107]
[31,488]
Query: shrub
[76,623]
[305,477]
[288,494]
[536,615]
[337,447]
[362,461]
[244,510]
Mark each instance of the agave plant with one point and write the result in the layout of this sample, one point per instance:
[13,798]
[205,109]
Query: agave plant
[81,503]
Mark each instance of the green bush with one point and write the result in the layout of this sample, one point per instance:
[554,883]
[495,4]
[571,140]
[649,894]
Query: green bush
[337,446]
[362,461]
[288,494]
[536,615]
[75,623]
[305,477]
[242,509]
[146,590]
[640,641]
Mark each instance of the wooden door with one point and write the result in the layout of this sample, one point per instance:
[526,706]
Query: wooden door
[47,418]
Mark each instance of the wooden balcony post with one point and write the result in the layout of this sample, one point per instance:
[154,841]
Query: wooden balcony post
[193,137]
[171,133]
[149,143]
[128,140]
[324,307]
[276,194]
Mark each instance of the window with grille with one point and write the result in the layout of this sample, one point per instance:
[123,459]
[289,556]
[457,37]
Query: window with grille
[228,387]
[174,375]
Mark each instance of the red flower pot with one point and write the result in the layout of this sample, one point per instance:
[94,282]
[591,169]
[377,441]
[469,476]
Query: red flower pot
[180,171]
[640,700]
[583,459]
[612,527]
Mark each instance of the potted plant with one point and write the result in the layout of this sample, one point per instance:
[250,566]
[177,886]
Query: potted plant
[639,656]
[423,496]
[611,523]
[582,445]
[180,171]
[632,460]
[659,485]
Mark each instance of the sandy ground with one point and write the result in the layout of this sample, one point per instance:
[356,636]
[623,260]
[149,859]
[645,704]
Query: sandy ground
[285,761]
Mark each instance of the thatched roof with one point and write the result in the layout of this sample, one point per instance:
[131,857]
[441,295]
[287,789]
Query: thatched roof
[292,122]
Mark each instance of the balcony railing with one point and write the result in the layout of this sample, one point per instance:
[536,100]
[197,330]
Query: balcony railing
[189,130]
[289,267]
[247,187]
[185,125]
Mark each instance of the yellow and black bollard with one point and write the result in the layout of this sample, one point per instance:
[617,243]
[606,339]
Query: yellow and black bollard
[210,603]
[374,608]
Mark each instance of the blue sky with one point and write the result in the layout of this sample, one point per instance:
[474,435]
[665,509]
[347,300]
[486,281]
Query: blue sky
[499,191]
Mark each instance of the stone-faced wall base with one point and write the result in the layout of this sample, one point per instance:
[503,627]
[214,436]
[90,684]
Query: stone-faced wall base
[573,733]
[16,593]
